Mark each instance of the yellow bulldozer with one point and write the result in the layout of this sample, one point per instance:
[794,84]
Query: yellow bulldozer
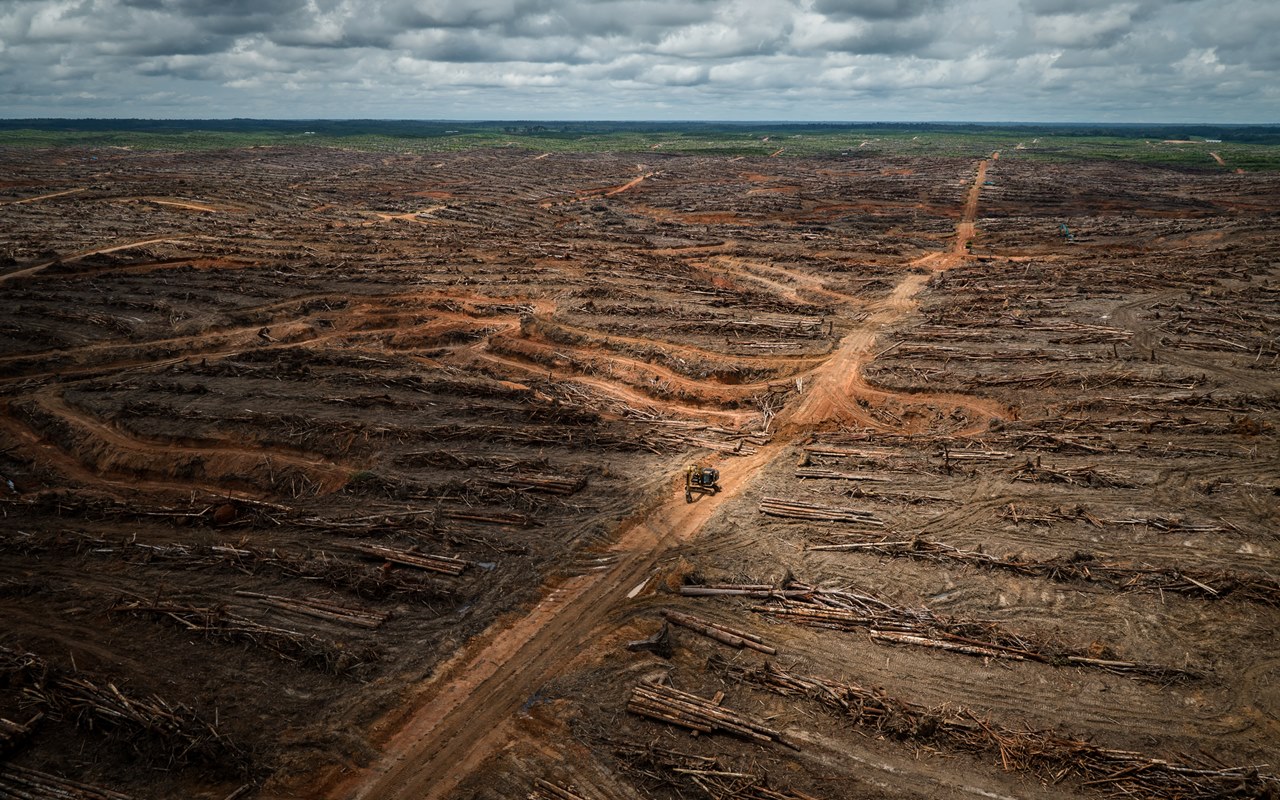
[700,480]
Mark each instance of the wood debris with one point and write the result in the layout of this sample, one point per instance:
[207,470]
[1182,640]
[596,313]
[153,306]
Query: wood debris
[549,484]
[218,622]
[22,783]
[698,714]
[818,472]
[732,637]
[147,722]
[814,512]
[1083,568]
[839,609]
[443,564]
[1049,755]
[13,735]
[546,790]
[321,609]
[712,778]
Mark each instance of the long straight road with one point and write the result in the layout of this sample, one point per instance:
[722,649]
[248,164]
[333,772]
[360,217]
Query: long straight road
[461,717]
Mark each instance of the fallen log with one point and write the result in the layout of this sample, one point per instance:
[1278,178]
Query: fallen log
[1083,568]
[24,783]
[546,790]
[670,705]
[447,565]
[539,483]
[791,509]
[721,633]
[1049,755]
[178,734]
[321,609]
[840,609]
[816,472]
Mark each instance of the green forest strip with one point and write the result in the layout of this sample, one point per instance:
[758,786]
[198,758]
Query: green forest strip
[1248,148]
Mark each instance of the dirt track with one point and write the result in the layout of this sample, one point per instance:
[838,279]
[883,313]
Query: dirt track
[465,432]
[461,720]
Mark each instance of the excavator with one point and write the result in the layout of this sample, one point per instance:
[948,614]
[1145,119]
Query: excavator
[703,480]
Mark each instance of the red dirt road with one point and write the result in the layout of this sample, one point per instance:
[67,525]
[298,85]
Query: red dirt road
[462,712]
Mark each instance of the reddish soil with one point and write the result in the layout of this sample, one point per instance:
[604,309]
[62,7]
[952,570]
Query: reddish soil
[205,409]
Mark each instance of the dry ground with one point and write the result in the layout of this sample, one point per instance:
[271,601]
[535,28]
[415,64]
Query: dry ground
[354,475]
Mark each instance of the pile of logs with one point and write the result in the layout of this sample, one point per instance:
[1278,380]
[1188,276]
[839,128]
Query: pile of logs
[732,637]
[1049,755]
[321,609]
[813,512]
[488,517]
[844,610]
[217,622]
[548,484]
[342,573]
[442,564]
[318,566]
[22,783]
[738,448]
[179,734]
[698,714]
[818,472]
[865,453]
[1083,568]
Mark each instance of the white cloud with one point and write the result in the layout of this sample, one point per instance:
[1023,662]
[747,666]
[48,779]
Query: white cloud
[789,59]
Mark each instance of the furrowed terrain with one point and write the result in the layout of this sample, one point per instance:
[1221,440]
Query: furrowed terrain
[342,474]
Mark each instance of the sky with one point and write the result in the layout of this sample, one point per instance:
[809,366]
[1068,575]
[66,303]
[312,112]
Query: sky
[787,60]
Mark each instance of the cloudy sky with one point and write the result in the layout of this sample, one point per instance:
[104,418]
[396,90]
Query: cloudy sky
[1034,60]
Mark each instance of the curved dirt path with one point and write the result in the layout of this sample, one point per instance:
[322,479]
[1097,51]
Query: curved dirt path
[711,391]
[591,194]
[687,349]
[85,254]
[460,715]
[1146,339]
[810,283]
[839,389]
[124,455]
[40,197]
[618,391]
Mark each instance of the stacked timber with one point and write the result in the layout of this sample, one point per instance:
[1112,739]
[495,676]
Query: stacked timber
[547,484]
[698,714]
[721,633]
[29,784]
[829,474]
[321,609]
[1050,755]
[445,564]
[841,609]
[813,512]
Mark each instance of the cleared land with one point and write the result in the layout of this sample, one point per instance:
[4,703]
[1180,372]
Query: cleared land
[345,474]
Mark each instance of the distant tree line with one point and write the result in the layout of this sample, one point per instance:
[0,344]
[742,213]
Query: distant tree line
[1248,134]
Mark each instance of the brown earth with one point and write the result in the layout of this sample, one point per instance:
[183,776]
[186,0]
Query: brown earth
[202,410]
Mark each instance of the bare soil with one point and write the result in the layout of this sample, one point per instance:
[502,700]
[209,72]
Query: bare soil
[380,487]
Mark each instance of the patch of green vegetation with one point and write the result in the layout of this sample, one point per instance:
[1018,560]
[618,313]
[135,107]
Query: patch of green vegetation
[1252,148]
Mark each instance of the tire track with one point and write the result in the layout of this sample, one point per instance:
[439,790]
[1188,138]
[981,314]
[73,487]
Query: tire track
[462,713]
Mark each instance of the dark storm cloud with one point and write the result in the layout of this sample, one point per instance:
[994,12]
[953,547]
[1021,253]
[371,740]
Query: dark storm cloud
[875,9]
[824,59]
[886,39]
